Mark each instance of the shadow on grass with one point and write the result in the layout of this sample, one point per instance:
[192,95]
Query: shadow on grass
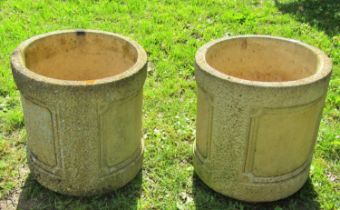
[323,14]
[205,198]
[35,196]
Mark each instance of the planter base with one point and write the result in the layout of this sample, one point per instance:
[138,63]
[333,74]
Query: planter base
[104,185]
[252,192]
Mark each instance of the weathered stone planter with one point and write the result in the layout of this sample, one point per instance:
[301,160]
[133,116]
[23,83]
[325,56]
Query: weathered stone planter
[82,100]
[260,100]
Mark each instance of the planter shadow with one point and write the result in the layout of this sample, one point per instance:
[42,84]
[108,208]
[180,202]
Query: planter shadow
[322,14]
[35,196]
[205,198]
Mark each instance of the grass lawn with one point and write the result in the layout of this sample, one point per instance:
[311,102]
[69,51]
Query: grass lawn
[170,31]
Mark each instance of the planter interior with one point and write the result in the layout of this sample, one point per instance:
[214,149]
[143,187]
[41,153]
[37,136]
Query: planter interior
[80,56]
[260,59]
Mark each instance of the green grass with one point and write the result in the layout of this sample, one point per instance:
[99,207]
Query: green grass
[170,31]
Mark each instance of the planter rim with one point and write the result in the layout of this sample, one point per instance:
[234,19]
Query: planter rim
[324,64]
[18,63]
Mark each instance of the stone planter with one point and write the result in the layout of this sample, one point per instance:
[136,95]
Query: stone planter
[260,100]
[82,93]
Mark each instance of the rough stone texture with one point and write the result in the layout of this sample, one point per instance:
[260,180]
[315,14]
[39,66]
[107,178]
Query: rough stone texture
[260,100]
[82,100]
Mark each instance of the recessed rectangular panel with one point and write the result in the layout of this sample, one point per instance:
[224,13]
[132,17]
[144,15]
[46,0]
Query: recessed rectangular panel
[204,120]
[121,130]
[39,125]
[281,140]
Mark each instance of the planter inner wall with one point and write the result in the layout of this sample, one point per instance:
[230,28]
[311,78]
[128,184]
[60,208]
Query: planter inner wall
[80,56]
[261,59]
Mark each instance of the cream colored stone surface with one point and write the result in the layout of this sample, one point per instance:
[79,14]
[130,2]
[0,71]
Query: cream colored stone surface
[82,93]
[260,100]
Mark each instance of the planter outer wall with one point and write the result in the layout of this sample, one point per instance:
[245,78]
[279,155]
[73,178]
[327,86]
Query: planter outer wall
[85,136]
[255,139]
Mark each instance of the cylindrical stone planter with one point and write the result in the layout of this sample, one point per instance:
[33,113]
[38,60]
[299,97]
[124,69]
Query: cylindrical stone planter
[260,100]
[82,93]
